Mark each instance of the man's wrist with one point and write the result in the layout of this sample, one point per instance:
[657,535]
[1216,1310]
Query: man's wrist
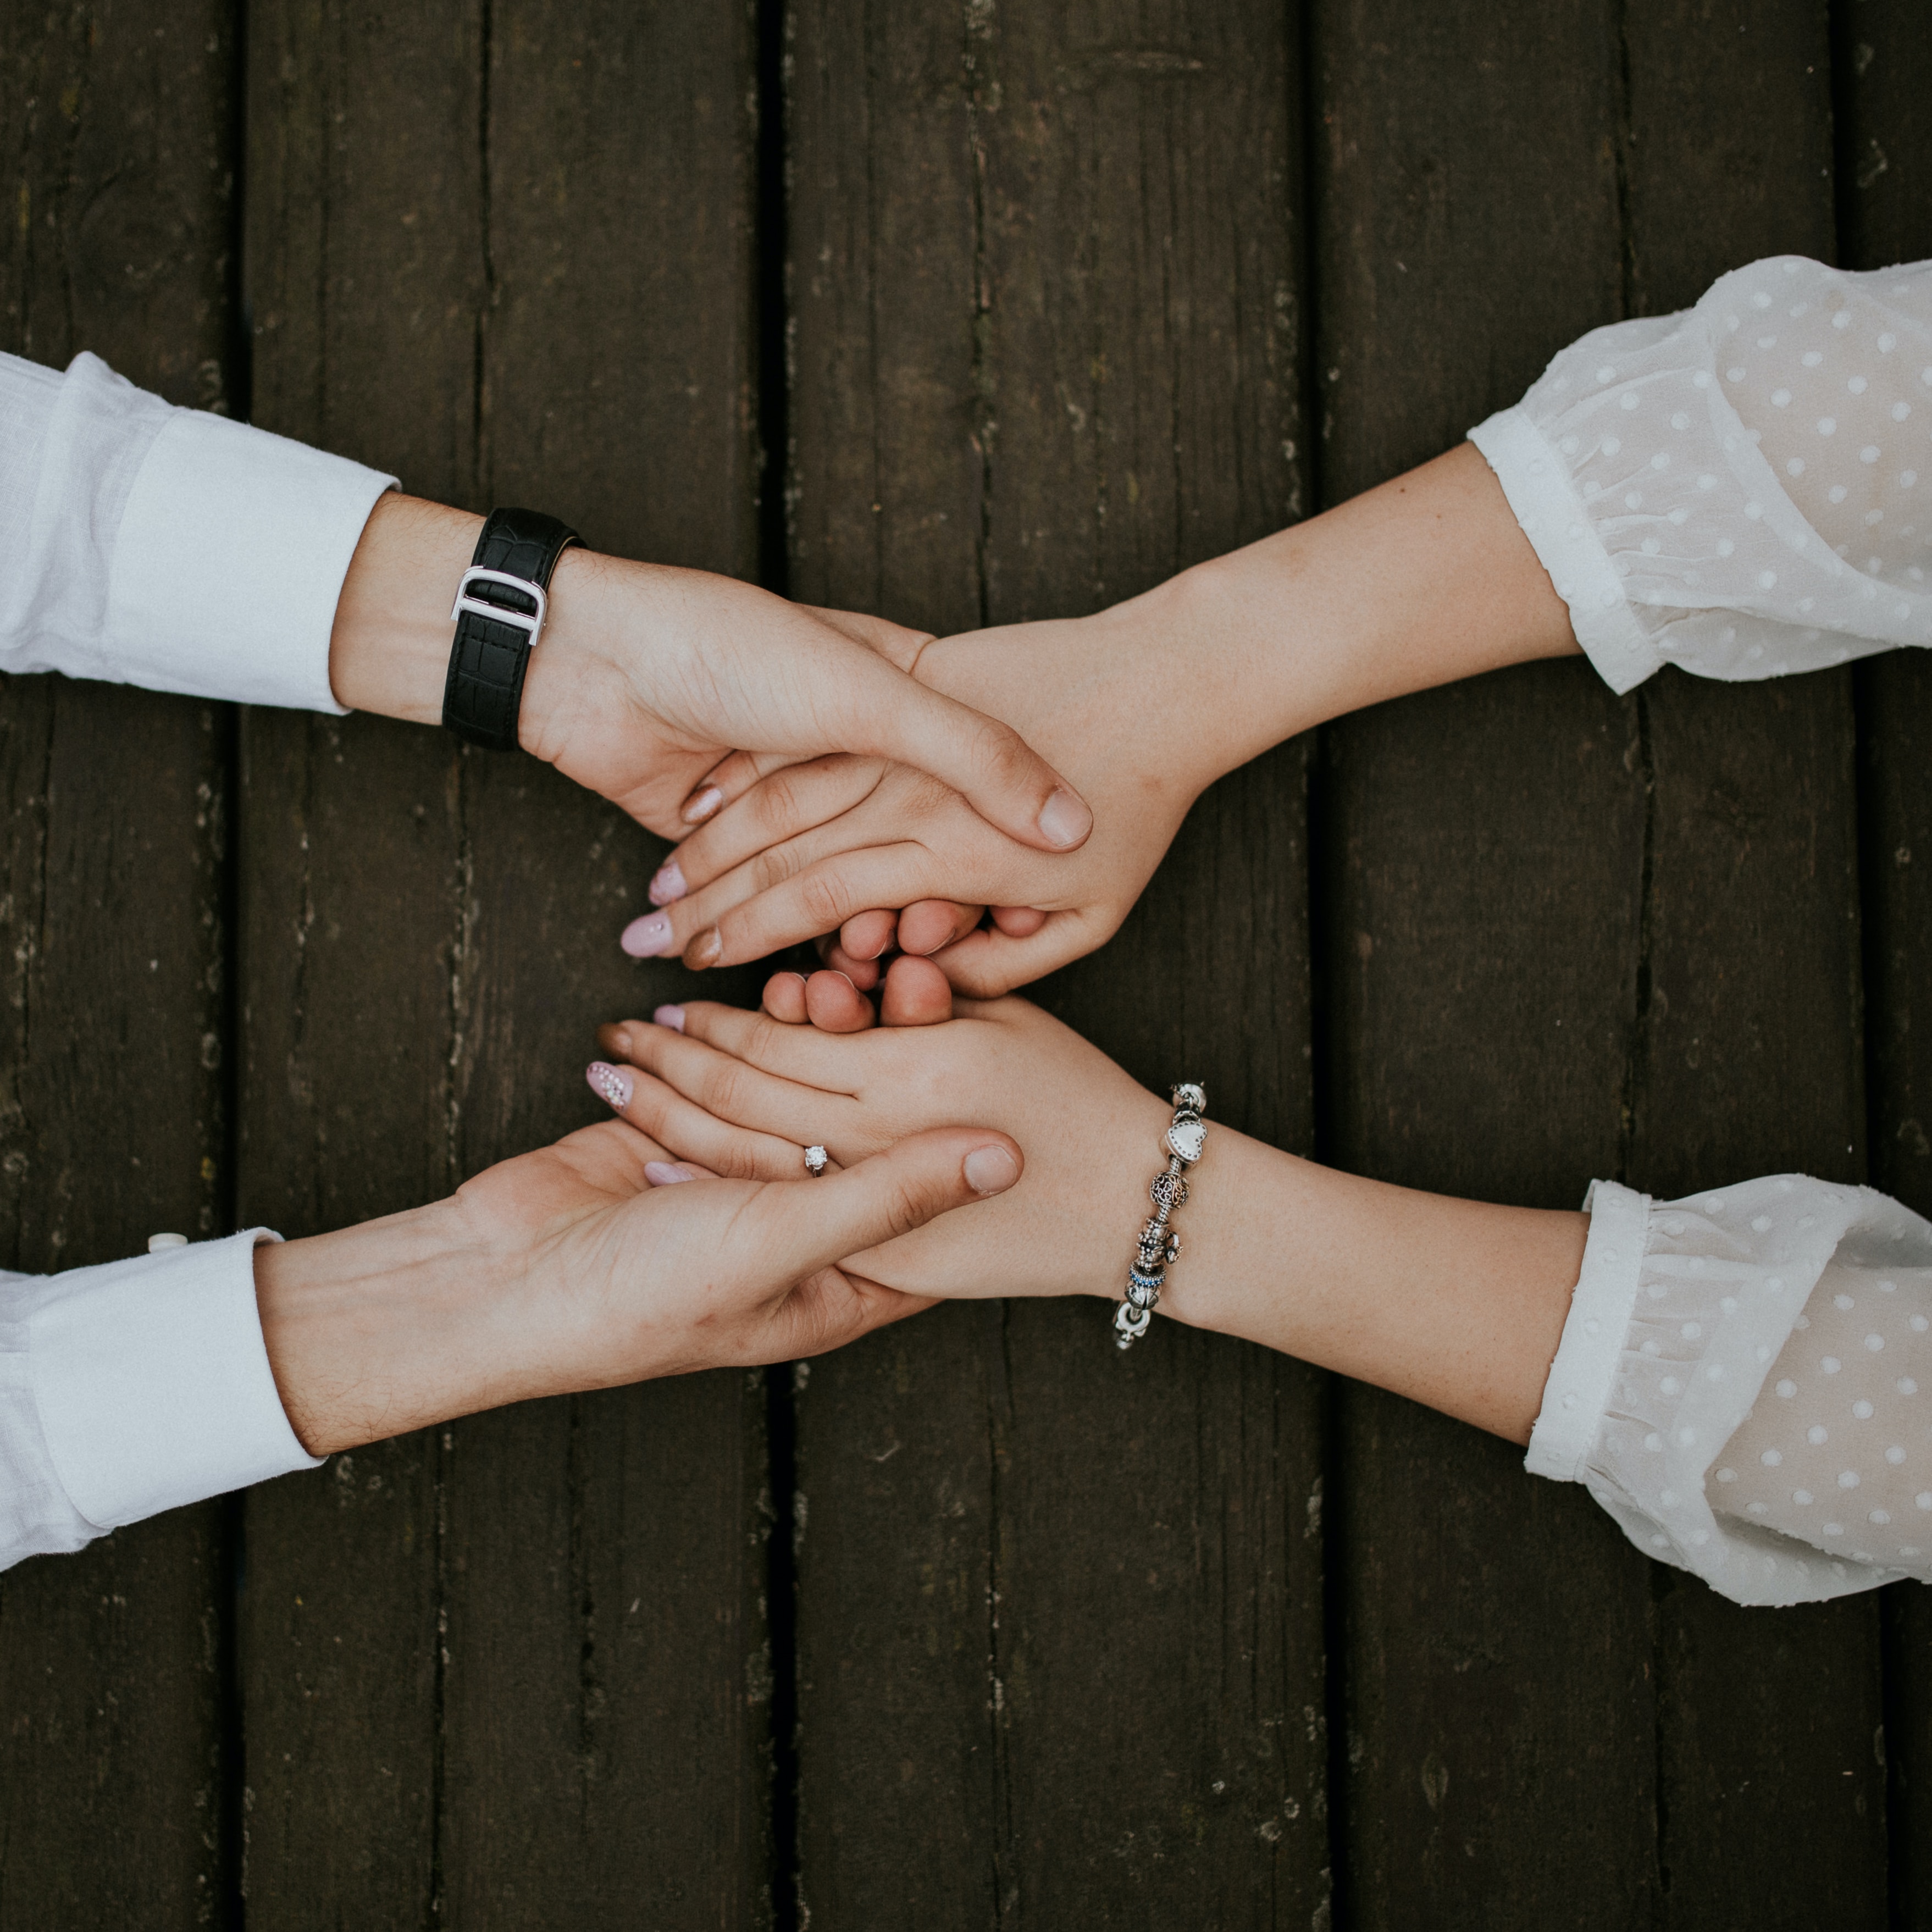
[389,649]
[383,1328]
[388,652]
[570,674]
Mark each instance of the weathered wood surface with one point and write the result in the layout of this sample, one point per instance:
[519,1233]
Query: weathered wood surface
[1046,317]
[1882,62]
[116,1776]
[513,1671]
[1063,310]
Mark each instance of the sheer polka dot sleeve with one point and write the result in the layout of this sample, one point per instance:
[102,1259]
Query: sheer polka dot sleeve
[1735,490]
[1744,1383]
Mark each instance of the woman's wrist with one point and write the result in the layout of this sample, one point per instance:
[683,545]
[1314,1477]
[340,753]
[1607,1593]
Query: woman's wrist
[1424,581]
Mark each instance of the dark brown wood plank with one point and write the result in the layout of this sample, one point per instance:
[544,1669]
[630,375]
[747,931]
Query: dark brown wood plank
[1882,64]
[507,253]
[1747,1055]
[114,1690]
[1045,307]
[1478,892]
[606,1728]
[364,280]
[1716,1050]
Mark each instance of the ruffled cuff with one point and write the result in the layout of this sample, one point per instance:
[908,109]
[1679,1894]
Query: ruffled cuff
[153,1384]
[1536,479]
[1681,1310]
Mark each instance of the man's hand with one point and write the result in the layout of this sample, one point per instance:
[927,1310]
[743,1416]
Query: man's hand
[817,846]
[647,677]
[1421,581]
[565,1269]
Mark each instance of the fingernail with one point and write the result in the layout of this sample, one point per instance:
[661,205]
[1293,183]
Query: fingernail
[649,938]
[612,1082]
[670,1016]
[662,1173]
[991,1170]
[1064,821]
[702,806]
[703,951]
[667,883]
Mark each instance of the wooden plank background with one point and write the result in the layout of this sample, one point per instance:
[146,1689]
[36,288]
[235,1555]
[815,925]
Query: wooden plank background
[967,313]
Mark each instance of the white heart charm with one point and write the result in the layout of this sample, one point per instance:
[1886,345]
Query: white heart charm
[1186,1139]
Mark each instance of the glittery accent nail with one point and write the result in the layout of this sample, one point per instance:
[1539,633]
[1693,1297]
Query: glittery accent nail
[612,1082]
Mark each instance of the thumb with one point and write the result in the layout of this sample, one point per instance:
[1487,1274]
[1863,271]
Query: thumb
[989,764]
[985,965]
[893,1193]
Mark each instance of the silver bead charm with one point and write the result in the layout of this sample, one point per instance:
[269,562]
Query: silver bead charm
[1159,1247]
[1169,1192]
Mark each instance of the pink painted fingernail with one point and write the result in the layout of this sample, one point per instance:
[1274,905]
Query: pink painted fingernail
[696,810]
[612,1082]
[670,1016]
[649,938]
[663,1173]
[668,883]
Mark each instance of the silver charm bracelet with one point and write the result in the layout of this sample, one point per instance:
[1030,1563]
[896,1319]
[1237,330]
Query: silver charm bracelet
[1159,1246]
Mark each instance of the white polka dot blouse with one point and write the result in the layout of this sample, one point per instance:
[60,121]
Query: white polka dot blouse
[1745,1379]
[1737,489]
[1744,1382]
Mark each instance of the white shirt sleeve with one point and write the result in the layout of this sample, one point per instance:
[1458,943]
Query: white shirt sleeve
[131,1388]
[1744,1383]
[167,547]
[1736,489]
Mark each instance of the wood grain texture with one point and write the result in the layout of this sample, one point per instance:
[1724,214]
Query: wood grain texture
[505,251]
[1883,63]
[1722,825]
[1060,1651]
[115,1664]
[1479,892]
[1748,1054]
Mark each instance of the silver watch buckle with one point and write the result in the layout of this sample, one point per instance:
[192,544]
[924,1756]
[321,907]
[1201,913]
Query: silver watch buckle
[532,622]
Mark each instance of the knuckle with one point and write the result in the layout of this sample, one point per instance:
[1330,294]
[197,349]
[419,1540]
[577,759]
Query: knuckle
[1001,753]
[778,801]
[911,1204]
[723,1092]
[824,901]
[776,865]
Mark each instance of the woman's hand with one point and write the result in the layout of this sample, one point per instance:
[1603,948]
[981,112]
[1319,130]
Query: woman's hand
[646,676]
[816,847]
[740,1093]
[1459,1304]
[1425,580]
[565,1269]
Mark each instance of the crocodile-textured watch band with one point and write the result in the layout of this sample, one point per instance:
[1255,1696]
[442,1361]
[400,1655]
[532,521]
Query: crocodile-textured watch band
[489,655]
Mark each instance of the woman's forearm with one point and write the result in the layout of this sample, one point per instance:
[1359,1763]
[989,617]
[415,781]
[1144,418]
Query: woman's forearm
[1425,580]
[1457,1304]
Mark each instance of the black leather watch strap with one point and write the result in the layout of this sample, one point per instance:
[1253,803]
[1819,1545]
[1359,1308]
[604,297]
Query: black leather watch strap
[491,650]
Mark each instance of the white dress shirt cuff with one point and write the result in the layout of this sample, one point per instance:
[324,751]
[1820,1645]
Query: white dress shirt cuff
[1536,479]
[229,561]
[153,1383]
